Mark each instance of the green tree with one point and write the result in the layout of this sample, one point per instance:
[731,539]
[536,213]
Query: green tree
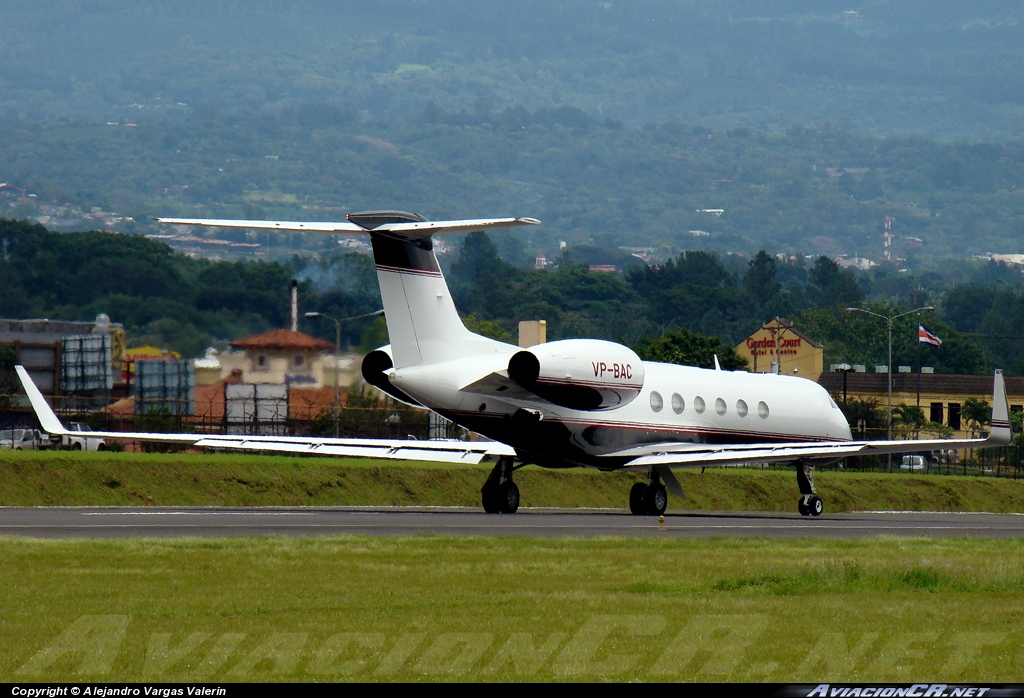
[831,285]
[487,328]
[976,414]
[680,346]
[907,420]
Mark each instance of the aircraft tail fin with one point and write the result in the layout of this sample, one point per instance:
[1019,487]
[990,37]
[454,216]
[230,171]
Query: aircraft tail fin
[423,324]
[47,419]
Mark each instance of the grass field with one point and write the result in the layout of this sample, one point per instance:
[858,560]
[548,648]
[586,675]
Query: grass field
[122,479]
[435,608]
[443,608]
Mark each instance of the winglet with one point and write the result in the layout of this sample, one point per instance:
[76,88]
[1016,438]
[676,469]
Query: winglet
[47,419]
[1000,422]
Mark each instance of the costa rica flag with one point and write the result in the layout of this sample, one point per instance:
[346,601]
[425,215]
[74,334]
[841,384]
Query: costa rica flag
[926,337]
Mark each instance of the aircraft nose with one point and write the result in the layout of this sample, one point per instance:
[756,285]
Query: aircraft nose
[842,426]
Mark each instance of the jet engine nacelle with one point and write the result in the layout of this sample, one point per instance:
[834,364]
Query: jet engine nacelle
[375,366]
[581,374]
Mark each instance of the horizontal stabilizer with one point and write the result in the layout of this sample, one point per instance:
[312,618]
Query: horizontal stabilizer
[311,227]
[414,230]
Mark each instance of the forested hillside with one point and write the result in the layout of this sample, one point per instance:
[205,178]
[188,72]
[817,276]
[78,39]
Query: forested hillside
[933,67]
[186,304]
[162,298]
[820,191]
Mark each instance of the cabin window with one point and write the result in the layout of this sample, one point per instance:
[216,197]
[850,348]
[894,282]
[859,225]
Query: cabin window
[720,406]
[678,403]
[741,408]
[762,409]
[656,401]
[698,405]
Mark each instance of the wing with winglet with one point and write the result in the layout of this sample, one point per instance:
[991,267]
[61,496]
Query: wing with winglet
[691,455]
[443,451]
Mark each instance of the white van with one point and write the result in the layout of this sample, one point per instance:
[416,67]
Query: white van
[914,462]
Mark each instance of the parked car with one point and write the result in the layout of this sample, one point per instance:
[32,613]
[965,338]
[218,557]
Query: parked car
[81,443]
[22,439]
[914,462]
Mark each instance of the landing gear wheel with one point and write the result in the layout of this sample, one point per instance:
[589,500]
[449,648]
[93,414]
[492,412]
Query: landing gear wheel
[636,499]
[491,502]
[499,494]
[816,506]
[508,497]
[803,508]
[656,499]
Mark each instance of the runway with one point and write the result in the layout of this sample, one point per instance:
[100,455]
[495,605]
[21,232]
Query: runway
[176,522]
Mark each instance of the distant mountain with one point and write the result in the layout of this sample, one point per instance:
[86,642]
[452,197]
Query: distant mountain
[932,67]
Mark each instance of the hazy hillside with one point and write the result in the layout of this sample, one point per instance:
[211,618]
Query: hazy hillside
[932,67]
[670,187]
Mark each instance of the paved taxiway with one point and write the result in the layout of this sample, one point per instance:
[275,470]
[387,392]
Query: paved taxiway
[167,522]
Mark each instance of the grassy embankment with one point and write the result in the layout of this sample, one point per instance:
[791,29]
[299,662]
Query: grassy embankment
[124,479]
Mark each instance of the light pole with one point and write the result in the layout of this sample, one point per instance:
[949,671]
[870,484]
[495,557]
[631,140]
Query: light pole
[336,408]
[888,323]
[845,369]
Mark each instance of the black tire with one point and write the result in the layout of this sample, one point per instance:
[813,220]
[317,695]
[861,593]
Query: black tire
[76,447]
[508,497]
[802,508]
[656,499]
[101,447]
[489,496]
[636,499]
[816,506]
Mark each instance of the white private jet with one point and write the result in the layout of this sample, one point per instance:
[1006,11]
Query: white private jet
[567,403]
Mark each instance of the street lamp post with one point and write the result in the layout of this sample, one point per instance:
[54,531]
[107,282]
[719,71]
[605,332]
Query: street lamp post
[888,323]
[845,369]
[336,408]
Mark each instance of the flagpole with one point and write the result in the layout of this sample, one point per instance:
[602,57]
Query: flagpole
[919,360]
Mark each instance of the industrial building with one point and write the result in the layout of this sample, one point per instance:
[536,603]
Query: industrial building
[78,364]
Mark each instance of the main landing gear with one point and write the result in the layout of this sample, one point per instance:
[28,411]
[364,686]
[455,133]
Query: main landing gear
[649,497]
[499,493]
[809,503]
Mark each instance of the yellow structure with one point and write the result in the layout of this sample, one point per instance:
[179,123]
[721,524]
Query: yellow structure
[779,343]
[532,332]
[282,356]
[940,396]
